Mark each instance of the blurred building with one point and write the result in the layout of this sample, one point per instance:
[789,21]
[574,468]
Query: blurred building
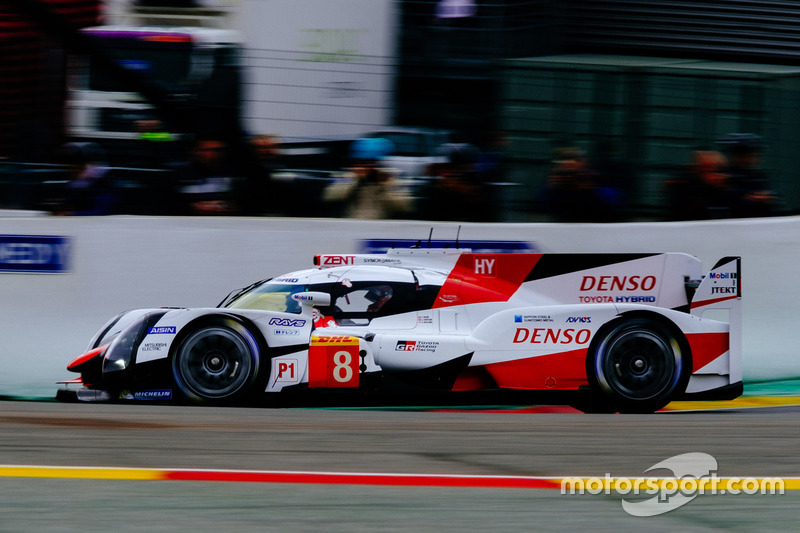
[449,74]
[449,58]
[657,80]
[664,76]
[749,31]
[654,79]
[32,74]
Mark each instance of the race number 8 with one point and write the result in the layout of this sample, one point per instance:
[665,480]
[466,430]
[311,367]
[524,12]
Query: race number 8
[342,371]
[333,361]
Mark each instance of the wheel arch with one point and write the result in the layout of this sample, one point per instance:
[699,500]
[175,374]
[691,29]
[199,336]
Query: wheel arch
[200,321]
[263,371]
[608,328]
[646,314]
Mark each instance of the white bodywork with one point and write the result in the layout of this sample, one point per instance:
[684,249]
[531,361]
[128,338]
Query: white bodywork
[493,309]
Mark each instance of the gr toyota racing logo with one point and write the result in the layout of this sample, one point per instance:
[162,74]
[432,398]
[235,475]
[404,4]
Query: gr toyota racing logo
[416,346]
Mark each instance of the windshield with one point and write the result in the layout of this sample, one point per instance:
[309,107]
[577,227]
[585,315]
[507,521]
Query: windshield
[270,296]
[165,63]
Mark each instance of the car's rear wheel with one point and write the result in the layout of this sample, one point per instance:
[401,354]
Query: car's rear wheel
[218,362]
[636,365]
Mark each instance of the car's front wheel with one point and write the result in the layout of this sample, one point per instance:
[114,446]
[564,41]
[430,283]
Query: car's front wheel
[637,365]
[218,362]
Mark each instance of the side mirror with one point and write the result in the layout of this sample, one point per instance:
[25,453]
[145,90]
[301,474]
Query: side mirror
[312,299]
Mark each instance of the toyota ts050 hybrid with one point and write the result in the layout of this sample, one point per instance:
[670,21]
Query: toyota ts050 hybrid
[621,332]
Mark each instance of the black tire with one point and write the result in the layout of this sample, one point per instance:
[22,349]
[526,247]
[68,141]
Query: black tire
[219,362]
[636,365]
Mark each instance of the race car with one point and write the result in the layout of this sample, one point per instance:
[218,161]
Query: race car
[609,332]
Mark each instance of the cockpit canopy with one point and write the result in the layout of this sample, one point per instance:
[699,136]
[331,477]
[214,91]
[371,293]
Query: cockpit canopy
[358,294]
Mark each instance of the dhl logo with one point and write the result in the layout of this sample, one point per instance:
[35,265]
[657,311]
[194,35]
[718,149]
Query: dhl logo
[334,340]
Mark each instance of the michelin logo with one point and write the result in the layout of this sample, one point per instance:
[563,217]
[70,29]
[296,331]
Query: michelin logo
[157,394]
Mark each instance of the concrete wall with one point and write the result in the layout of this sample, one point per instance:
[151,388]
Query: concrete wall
[119,263]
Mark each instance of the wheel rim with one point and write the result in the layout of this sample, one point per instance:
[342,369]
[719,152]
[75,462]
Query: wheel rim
[638,364]
[215,362]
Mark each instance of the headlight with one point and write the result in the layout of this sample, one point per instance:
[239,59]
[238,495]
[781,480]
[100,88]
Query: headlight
[120,353]
[101,335]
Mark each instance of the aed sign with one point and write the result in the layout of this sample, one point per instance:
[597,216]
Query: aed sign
[34,253]
[333,362]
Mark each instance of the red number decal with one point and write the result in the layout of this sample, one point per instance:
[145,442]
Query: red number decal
[333,362]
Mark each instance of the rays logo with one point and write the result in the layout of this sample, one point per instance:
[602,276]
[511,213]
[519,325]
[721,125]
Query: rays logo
[287,322]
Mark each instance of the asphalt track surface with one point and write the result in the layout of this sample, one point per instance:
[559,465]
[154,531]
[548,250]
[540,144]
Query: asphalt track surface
[92,467]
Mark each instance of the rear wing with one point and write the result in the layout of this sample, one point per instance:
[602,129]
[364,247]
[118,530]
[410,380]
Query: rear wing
[721,292]
[721,288]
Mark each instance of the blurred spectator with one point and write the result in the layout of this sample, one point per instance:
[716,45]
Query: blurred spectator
[615,178]
[155,147]
[492,163]
[750,192]
[701,191]
[573,192]
[458,190]
[493,168]
[367,190]
[205,183]
[261,193]
[90,188]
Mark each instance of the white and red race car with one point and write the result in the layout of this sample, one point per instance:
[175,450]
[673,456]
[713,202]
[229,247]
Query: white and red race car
[609,332]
